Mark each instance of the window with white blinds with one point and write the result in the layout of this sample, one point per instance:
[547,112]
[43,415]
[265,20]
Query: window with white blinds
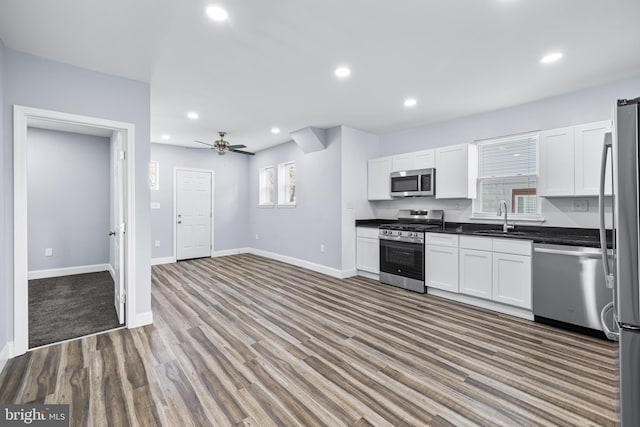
[507,170]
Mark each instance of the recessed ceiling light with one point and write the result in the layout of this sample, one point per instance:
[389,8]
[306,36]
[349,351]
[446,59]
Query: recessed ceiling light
[275,130]
[342,72]
[193,115]
[516,155]
[552,57]
[411,102]
[165,136]
[217,13]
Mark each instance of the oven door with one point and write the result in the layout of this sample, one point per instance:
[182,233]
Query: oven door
[402,259]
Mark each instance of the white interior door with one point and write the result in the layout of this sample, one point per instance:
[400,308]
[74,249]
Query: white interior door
[118,225]
[193,214]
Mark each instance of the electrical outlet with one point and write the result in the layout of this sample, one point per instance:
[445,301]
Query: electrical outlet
[321,248]
[156,243]
[48,252]
[257,236]
[580,205]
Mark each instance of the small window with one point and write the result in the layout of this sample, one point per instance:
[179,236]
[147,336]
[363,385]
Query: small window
[267,186]
[507,170]
[287,184]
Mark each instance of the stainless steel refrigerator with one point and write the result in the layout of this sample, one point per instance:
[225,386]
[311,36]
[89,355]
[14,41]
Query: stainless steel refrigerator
[623,279]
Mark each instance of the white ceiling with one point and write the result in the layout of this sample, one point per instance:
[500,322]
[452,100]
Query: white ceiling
[272,63]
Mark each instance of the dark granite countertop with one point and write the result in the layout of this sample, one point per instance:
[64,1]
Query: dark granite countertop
[550,235]
[373,223]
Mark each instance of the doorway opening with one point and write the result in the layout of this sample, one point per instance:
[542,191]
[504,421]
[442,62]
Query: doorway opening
[193,213]
[74,238]
[74,191]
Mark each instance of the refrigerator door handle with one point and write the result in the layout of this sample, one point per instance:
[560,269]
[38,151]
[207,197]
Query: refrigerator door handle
[603,230]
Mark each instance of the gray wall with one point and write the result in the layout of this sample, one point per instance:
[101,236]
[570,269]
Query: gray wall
[357,148]
[68,197]
[6,292]
[37,82]
[231,216]
[574,108]
[298,232]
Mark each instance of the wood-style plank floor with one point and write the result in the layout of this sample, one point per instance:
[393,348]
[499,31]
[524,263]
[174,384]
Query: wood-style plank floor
[244,340]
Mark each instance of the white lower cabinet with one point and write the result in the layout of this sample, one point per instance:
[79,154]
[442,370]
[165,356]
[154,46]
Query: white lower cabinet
[441,262]
[367,250]
[496,269]
[476,273]
[512,279]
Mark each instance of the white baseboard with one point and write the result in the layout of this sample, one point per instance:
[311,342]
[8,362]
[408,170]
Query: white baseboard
[112,271]
[349,273]
[5,354]
[329,271]
[143,319]
[228,252]
[67,271]
[165,260]
[479,302]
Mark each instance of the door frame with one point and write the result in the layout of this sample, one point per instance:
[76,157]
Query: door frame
[175,206]
[22,117]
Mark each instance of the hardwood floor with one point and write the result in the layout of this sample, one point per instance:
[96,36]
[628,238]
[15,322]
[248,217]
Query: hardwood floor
[243,340]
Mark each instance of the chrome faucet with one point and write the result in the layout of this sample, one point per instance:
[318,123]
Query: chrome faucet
[503,205]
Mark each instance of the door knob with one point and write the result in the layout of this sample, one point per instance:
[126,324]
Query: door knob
[112,233]
[179,222]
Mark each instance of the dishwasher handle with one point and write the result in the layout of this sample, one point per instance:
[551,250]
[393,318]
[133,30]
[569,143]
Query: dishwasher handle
[577,253]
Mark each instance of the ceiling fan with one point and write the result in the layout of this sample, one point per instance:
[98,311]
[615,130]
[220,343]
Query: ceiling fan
[223,146]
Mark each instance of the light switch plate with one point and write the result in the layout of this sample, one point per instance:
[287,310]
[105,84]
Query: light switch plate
[48,252]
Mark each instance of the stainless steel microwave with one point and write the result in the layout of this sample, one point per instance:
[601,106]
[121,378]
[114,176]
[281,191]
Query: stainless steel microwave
[413,183]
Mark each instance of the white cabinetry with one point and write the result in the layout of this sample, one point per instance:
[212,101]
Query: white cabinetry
[378,180]
[456,172]
[424,159]
[496,269]
[570,160]
[441,261]
[512,279]
[512,272]
[589,140]
[476,266]
[556,169]
[367,250]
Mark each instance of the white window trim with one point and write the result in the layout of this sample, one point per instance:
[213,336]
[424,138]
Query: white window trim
[275,186]
[513,217]
[280,186]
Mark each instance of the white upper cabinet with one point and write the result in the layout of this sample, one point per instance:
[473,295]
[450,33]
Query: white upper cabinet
[556,168]
[424,159]
[570,160]
[378,180]
[589,140]
[456,172]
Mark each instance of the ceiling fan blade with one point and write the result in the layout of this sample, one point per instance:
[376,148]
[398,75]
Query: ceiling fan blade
[243,152]
[205,143]
[233,147]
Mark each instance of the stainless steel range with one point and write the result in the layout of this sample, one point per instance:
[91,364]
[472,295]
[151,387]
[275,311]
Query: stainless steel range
[402,248]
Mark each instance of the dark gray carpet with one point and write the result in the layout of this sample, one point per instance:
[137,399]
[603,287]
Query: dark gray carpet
[67,307]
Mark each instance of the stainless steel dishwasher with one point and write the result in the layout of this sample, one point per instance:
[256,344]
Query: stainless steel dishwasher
[568,285]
